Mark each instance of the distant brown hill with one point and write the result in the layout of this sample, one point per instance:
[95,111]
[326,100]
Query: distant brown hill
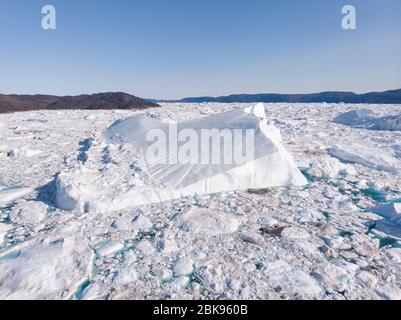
[99,101]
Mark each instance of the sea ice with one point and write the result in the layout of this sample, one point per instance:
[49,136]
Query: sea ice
[330,168]
[48,269]
[183,266]
[368,157]
[334,278]
[205,221]
[31,212]
[48,253]
[146,248]
[367,279]
[110,248]
[141,222]
[390,292]
[252,237]
[293,281]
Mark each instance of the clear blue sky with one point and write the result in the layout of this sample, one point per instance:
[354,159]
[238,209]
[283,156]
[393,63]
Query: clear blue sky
[179,48]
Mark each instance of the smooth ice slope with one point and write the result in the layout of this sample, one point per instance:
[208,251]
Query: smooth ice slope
[86,189]
[272,166]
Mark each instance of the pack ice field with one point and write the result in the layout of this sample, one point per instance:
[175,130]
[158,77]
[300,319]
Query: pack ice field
[316,214]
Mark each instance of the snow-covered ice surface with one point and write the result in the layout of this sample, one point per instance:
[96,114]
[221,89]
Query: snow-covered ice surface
[339,237]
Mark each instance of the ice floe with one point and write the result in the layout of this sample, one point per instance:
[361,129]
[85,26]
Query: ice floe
[208,222]
[12,193]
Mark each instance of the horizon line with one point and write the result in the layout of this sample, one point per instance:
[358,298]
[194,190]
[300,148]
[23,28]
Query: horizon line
[195,96]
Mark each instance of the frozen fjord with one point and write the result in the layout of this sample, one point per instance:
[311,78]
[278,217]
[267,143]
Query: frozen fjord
[330,245]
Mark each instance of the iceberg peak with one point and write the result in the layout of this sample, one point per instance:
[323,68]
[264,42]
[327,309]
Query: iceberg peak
[257,110]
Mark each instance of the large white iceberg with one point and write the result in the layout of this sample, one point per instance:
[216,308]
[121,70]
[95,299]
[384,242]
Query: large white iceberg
[118,184]
[367,119]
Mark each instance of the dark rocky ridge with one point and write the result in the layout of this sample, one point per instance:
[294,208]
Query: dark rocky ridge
[387,97]
[99,101]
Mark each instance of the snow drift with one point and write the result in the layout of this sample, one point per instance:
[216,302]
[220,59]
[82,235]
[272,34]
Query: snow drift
[131,178]
[367,119]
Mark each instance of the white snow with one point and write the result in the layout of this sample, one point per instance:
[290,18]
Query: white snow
[394,254]
[390,292]
[4,228]
[13,153]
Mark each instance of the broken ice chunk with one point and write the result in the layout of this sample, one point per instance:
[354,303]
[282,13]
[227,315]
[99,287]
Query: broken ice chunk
[330,168]
[333,277]
[141,222]
[183,266]
[110,248]
[146,248]
[30,212]
[252,237]
[12,193]
[126,276]
[205,221]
